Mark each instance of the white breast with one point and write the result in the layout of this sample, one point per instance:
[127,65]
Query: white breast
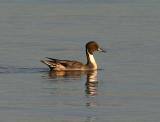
[91,57]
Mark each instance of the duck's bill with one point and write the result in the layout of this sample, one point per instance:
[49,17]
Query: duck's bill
[102,50]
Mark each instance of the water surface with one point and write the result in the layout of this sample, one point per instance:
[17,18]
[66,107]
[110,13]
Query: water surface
[126,90]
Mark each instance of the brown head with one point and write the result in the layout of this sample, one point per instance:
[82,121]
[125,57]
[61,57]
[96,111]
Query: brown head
[93,46]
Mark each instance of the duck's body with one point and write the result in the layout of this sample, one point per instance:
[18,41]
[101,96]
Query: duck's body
[59,65]
[64,65]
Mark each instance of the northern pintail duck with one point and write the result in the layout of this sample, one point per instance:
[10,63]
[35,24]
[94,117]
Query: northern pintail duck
[65,65]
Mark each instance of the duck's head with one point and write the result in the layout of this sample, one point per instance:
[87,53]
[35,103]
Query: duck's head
[93,46]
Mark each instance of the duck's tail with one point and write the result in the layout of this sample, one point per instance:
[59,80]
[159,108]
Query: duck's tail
[50,64]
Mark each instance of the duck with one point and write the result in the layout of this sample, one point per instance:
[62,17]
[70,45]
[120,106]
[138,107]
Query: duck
[72,65]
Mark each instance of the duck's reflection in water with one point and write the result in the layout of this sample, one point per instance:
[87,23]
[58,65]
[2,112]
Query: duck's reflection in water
[91,89]
[91,83]
[91,79]
[67,74]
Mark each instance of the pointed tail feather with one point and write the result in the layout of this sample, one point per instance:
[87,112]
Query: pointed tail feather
[52,59]
[49,64]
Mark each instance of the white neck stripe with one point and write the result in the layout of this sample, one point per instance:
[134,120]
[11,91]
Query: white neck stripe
[92,60]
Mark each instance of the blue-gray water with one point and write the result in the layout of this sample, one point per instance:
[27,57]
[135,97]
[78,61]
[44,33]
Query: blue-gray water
[128,87]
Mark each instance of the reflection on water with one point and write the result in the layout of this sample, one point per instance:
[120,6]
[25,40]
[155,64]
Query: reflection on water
[32,29]
[66,74]
[91,83]
[91,90]
[91,79]
[90,119]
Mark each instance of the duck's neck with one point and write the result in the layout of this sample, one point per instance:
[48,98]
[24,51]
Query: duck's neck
[91,63]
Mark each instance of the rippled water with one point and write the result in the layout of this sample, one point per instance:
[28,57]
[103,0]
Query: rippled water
[127,89]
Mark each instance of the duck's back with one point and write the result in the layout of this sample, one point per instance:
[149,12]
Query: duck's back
[56,64]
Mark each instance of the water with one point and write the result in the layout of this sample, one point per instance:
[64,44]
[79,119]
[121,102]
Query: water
[126,90]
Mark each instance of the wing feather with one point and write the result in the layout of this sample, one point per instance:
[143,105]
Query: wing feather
[62,64]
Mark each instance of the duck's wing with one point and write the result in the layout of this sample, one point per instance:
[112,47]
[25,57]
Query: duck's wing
[56,64]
